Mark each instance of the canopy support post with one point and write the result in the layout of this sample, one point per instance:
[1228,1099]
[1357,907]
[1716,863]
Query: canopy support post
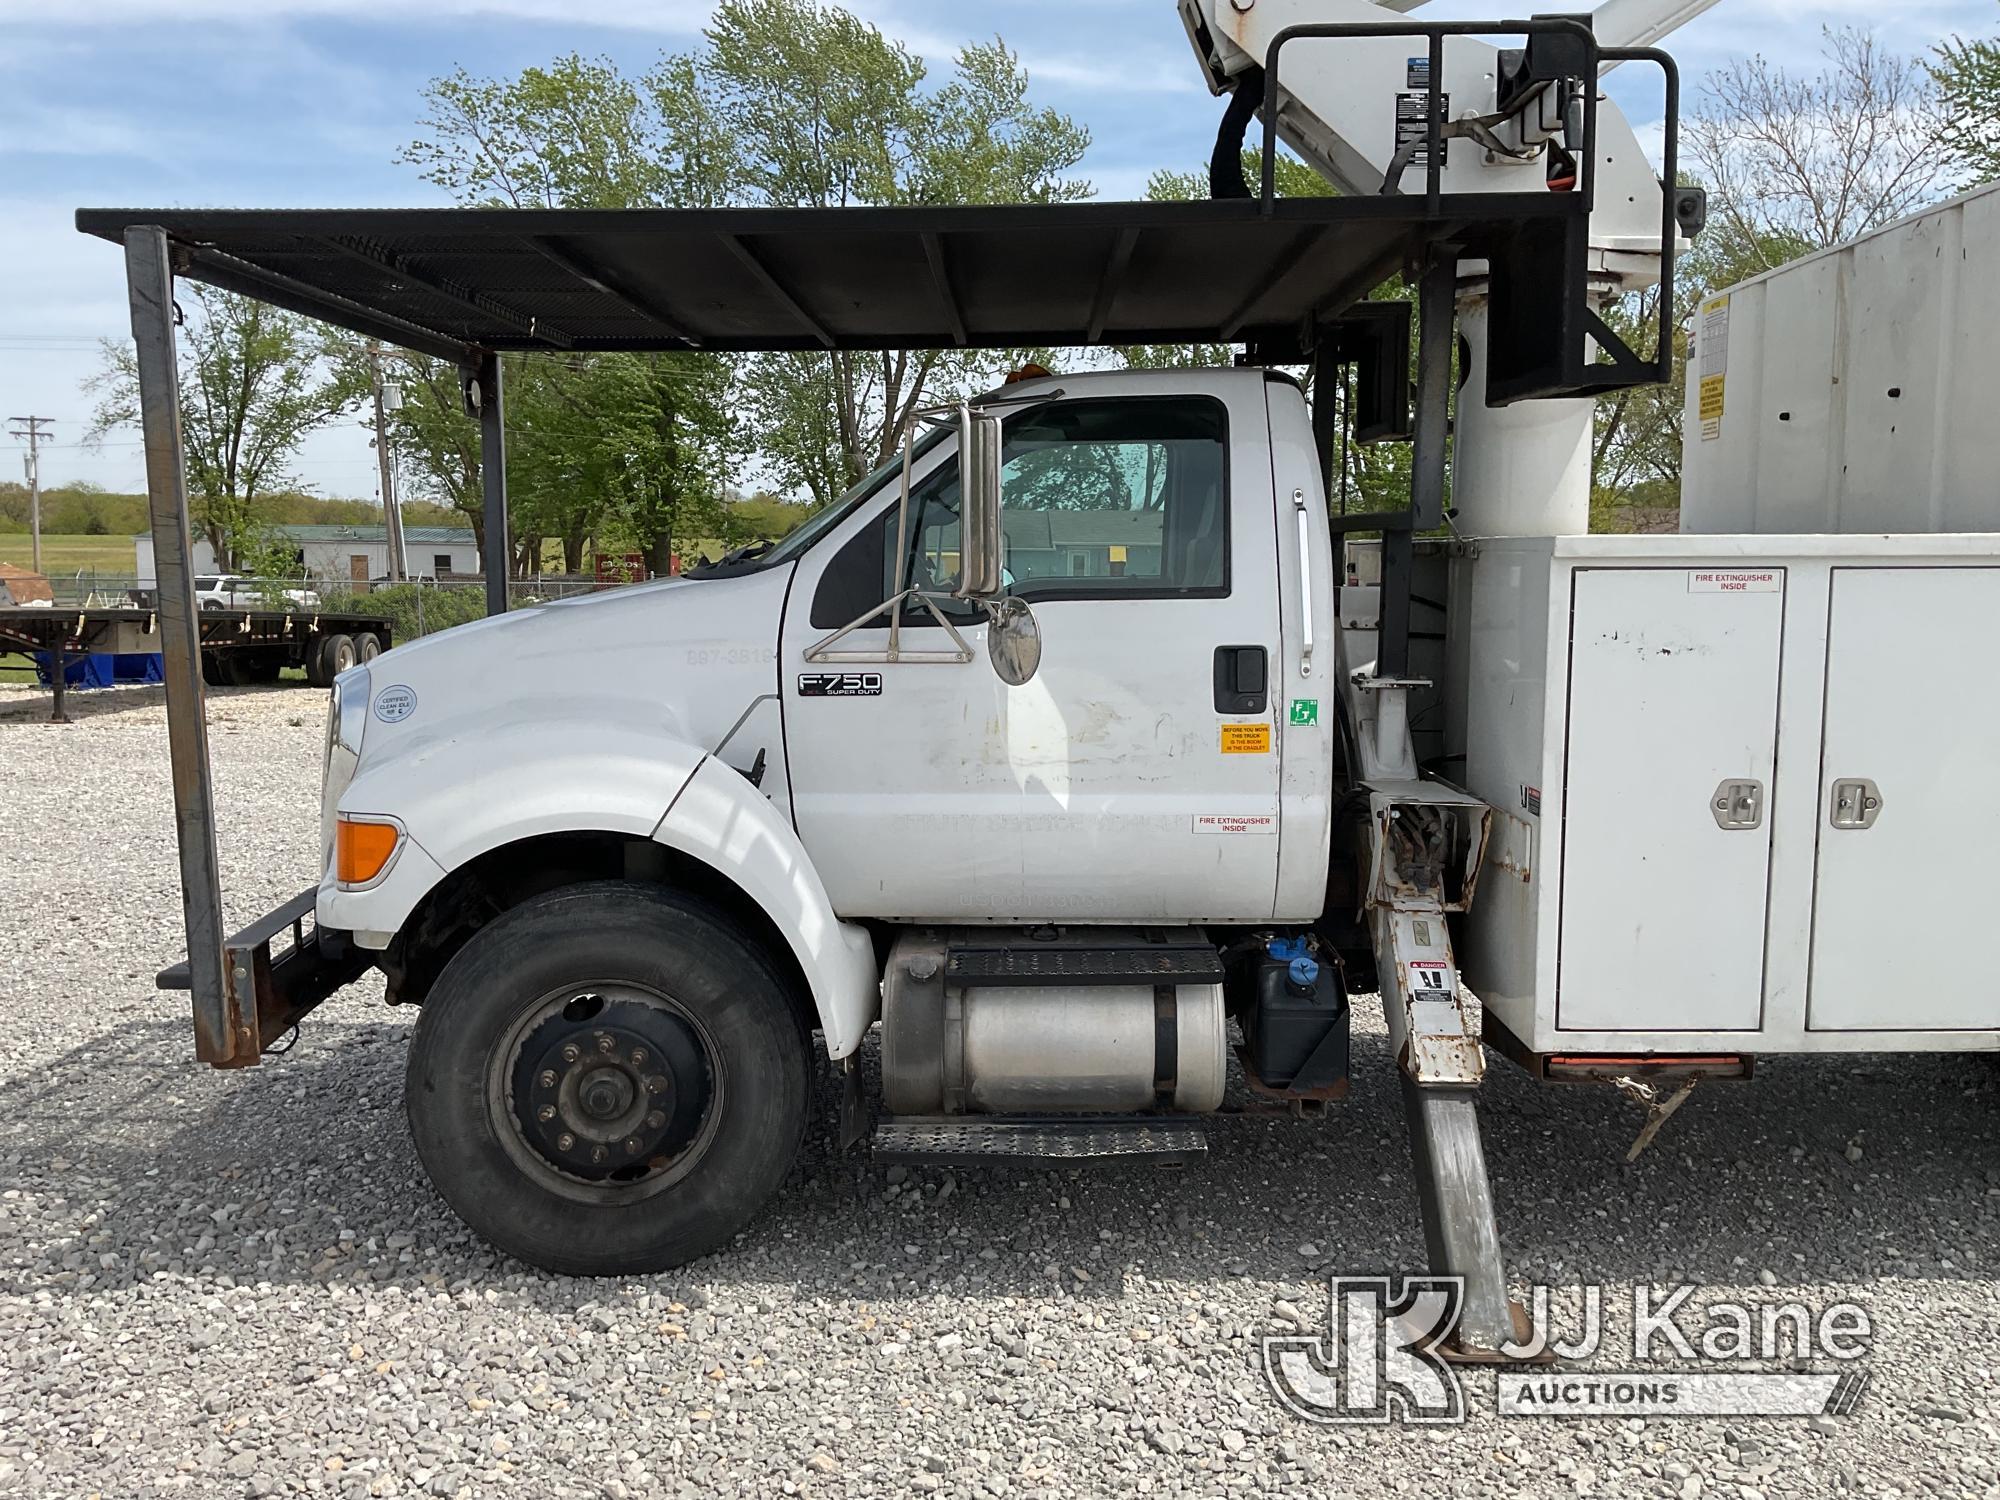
[150,278]
[485,399]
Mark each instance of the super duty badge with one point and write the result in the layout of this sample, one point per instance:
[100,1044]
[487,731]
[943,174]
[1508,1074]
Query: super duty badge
[840,684]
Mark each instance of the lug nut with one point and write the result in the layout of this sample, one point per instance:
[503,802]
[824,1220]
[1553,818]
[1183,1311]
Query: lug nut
[597,1153]
[565,1141]
[656,1119]
[546,1112]
[548,1078]
[605,1043]
[657,1084]
[638,1057]
[632,1146]
[570,1053]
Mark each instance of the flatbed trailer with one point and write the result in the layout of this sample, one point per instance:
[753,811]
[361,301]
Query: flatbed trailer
[238,646]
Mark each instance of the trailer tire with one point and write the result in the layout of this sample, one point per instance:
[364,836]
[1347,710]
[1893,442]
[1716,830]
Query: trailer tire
[211,669]
[336,655]
[520,1089]
[367,646]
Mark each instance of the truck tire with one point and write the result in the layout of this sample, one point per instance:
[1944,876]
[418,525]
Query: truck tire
[608,1079]
[211,669]
[309,659]
[367,646]
[336,655]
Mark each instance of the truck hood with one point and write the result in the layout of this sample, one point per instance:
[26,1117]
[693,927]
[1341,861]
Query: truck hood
[685,656]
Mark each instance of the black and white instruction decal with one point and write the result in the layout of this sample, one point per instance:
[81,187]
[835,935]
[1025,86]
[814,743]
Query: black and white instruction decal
[840,684]
[1413,118]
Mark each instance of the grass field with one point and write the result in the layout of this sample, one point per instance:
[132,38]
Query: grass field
[63,555]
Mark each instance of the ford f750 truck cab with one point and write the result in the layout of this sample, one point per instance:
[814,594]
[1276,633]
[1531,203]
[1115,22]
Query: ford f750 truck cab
[630,851]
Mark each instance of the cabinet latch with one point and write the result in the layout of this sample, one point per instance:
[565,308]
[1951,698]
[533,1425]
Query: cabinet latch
[1738,805]
[1855,803]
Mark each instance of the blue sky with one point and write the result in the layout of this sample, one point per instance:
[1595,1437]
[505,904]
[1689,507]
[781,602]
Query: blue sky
[273,103]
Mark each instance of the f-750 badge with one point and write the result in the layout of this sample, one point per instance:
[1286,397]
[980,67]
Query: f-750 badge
[840,684]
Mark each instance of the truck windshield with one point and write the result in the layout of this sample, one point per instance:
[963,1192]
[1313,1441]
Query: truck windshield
[815,527]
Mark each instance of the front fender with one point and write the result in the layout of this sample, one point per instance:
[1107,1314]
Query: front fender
[722,820]
[534,779]
[457,800]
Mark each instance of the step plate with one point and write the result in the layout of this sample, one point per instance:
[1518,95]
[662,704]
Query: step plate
[1052,964]
[1158,1142]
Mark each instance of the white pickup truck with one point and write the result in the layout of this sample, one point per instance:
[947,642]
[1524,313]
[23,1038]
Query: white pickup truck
[234,591]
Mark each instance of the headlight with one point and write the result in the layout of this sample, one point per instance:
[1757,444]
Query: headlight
[346,722]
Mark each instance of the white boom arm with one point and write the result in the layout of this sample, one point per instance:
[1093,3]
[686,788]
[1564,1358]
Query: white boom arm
[1338,104]
[1640,23]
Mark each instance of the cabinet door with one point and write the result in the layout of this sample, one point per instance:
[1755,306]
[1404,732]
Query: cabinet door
[1673,693]
[1905,888]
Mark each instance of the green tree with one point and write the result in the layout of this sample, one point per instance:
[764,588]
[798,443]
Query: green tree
[255,380]
[628,444]
[824,111]
[1967,76]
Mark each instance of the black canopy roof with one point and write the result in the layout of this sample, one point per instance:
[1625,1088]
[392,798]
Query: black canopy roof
[449,280]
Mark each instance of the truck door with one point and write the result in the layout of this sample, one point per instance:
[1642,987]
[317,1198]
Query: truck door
[1135,776]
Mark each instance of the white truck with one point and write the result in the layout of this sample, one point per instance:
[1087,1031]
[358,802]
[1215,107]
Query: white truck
[1070,742]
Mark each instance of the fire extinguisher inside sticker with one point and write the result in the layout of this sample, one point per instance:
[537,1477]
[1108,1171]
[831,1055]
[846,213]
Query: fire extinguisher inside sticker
[1736,581]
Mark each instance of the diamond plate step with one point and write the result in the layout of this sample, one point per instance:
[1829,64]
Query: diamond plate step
[1027,1142]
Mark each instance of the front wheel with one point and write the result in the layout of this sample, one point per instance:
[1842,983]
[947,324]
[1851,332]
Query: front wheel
[608,1079]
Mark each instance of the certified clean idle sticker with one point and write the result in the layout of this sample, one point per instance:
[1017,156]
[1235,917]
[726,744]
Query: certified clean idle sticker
[395,703]
[840,684]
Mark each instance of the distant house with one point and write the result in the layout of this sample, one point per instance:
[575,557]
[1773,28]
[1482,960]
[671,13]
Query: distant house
[1082,543]
[350,554]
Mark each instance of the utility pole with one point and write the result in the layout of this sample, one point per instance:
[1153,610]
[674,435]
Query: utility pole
[34,429]
[392,513]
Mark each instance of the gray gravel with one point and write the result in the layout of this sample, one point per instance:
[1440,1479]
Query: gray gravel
[216,1284]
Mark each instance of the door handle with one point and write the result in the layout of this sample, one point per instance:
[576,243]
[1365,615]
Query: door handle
[1242,680]
[1738,805]
[1305,584]
[1855,803]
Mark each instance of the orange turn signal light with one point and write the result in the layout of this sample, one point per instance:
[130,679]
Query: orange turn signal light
[361,851]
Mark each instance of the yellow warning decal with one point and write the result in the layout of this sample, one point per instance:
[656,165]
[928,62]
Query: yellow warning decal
[1246,739]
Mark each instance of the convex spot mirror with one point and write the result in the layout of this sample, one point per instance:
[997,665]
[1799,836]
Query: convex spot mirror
[1013,640]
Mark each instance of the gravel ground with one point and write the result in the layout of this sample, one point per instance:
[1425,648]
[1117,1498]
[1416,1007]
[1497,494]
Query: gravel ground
[240,1284]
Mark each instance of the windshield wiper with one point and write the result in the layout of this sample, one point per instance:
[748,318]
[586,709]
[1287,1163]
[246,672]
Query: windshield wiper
[744,554]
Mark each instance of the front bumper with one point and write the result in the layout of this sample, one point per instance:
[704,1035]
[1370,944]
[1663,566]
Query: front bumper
[265,994]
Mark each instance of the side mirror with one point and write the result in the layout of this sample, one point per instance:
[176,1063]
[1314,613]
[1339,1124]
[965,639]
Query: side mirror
[980,545]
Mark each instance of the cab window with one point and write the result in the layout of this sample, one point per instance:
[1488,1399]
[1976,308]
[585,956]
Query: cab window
[1100,499]
[1125,497]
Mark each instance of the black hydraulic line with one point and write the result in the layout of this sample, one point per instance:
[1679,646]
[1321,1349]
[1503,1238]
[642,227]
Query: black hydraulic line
[1225,163]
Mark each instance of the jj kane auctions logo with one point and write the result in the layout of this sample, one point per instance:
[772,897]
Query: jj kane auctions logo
[1383,1357]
